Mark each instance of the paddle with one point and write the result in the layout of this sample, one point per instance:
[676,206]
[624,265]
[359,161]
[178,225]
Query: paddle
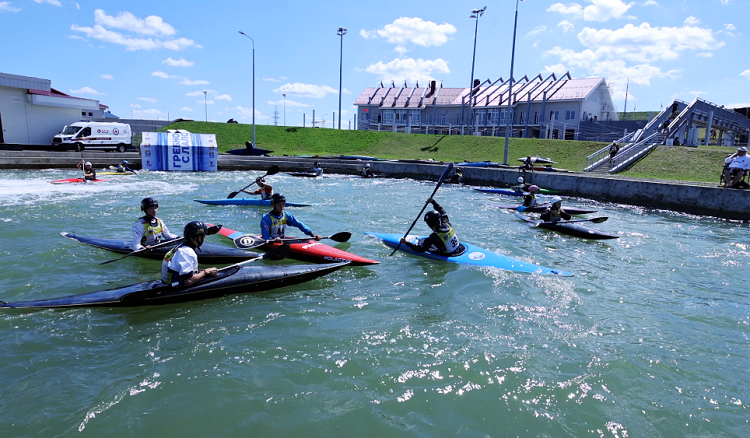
[596,220]
[273,170]
[211,230]
[247,241]
[278,253]
[439,183]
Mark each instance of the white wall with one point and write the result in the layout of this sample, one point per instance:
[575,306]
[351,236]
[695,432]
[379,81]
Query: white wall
[48,121]
[25,123]
[13,113]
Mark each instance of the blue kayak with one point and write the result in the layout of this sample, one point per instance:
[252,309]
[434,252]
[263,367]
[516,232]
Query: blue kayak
[472,255]
[245,201]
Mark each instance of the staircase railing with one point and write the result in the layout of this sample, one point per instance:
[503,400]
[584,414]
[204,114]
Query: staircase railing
[633,152]
[600,156]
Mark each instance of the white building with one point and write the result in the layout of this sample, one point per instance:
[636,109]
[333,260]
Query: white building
[32,112]
[540,107]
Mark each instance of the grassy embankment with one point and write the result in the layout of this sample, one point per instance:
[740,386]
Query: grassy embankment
[677,163]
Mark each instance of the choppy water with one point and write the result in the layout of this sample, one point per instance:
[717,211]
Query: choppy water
[650,338]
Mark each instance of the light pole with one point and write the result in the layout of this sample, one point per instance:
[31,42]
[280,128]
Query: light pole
[243,33]
[510,89]
[205,104]
[475,13]
[167,112]
[341,33]
[284,108]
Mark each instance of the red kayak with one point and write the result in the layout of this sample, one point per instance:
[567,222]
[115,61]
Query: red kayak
[310,251]
[76,180]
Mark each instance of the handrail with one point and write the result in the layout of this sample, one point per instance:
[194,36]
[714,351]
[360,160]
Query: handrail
[633,152]
[598,157]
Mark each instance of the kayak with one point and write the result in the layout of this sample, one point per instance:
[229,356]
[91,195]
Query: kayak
[245,201]
[539,160]
[249,151]
[538,208]
[234,279]
[116,173]
[208,254]
[76,180]
[477,164]
[513,192]
[576,229]
[472,255]
[310,251]
[303,174]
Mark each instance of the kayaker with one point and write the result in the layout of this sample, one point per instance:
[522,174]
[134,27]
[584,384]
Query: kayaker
[264,190]
[443,240]
[367,172]
[124,167]
[273,224]
[181,262]
[735,167]
[459,177]
[522,186]
[149,229]
[89,174]
[555,212]
[529,199]
[316,169]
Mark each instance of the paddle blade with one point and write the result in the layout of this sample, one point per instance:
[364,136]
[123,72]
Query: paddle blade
[213,229]
[247,241]
[521,208]
[598,220]
[232,195]
[341,237]
[273,170]
[278,253]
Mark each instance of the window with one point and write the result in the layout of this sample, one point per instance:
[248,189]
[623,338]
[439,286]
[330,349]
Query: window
[536,117]
[481,117]
[570,115]
[415,117]
[520,117]
[388,117]
[442,119]
[494,116]
[91,114]
[428,118]
[83,113]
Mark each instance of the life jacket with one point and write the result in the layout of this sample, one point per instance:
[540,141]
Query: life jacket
[554,214]
[265,193]
[278,226]
[529,200]
[166,273]
[151,230]
[447,235]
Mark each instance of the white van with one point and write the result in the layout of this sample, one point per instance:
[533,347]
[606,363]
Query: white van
[94,135]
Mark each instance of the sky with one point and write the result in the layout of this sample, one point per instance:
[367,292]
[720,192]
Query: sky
[154,59]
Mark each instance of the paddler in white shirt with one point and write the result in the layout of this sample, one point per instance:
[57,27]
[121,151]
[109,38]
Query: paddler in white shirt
[181,262]
[149,229]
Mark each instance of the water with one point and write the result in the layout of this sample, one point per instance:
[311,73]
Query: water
[648,339]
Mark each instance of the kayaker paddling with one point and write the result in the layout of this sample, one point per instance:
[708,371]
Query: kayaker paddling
[555,212]
[529,199]
[125,167]
[264,190]
[443,239]
[316,169]
[366,172]
[89,174]
[273,224]
[181,263]
[149,229]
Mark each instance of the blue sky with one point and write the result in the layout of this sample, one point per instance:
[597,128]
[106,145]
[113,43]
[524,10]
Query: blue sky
[156,58]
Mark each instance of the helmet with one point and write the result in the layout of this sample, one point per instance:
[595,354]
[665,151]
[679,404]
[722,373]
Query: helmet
[149,202]
[432,218]
[555,200]
[195,229]
[533,189]
[277,197]
[520,179]
[367,165]
[125,162]
[260,180]
[87,163]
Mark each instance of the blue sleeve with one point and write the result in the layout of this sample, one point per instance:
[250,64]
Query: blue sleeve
[292,221]
[265,226]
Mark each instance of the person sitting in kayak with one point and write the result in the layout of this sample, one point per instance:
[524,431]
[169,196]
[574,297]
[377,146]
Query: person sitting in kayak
[366,172]
[316,169]
[554,212]
[443,240]
[89,174]
[124,167]
[273,224]
[529,199]
[149,229]
[264,190]
[181,262]
[522,187]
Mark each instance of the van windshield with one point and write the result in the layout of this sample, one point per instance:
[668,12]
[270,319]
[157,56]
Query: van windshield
[70,130]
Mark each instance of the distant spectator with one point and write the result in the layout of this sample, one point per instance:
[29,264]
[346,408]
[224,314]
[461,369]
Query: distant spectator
[614,148]
[735,167]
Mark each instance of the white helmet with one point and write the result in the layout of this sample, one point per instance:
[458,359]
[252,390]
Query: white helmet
[520,179]
[87,164]
[367,165]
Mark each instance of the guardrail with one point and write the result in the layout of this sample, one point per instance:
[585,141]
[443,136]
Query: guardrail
[634,152]
[602,155]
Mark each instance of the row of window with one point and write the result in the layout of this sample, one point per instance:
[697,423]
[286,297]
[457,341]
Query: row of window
[493,116]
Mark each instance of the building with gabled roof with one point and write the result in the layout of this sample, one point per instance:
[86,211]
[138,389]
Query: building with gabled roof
[540,107]
[32,112]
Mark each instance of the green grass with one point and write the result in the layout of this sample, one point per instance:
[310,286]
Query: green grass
[702,164]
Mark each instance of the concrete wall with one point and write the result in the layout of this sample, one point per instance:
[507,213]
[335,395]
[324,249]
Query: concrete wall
[13,113]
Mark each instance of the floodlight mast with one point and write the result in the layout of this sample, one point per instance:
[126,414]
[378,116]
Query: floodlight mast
[341,32]
[243,33]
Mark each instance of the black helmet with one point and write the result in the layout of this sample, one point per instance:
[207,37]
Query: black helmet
[149,202]
[277,197]
[195,229]
[432,218]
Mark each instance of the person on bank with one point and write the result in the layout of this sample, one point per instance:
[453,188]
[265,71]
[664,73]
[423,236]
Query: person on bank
[181,262]
[735,167]
[614,148]
[125,167]
[530,199]
[89,174]
[149,229]
[443,240]
[264,190]
[528,164]
[367,172]
[555,212]
[273,224]
[316,169]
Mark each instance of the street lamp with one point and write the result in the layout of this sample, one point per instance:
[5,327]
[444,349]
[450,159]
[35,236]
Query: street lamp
[205,104]
[243,33]
[475,13]
[167,112]
[341,33]
[284,108]
[510,89]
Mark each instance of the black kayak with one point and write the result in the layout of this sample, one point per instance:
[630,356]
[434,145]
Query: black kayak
[303,174]
[576,229]
[208,253]
[541,207]
[231,280]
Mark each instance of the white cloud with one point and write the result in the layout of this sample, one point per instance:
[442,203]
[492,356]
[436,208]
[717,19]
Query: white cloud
[185,108]
[573,9]
[52,2]
[131,44]
[134,105]
[147,99]
[289,103]
[87,90]
[691,21]
[151,25]
[306,90]
[6,7]
[557,69]
[565,25]
[650,3]
[409,69]
[413,30]
[247,113]
[178,63]
[161,74]
[78,6]
[186,81]
[271,80]
[224,97]
[726,2]
[746,74]
[207,102]
[105,76]
[538,29]
[199,93]
[401,50]
[599,10]
[76,37]
[704,55]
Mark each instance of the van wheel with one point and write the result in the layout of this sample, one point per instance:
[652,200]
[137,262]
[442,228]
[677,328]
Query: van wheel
[120,148]
[78,147]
